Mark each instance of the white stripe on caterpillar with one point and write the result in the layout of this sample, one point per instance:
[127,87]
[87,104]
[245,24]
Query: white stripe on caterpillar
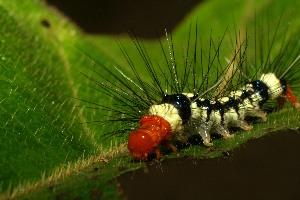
[273,83]
[169,113]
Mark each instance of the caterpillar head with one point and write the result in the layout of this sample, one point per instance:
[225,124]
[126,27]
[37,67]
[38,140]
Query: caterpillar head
[145,140]
[140,144]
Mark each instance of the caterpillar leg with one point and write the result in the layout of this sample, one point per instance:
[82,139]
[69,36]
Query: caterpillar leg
[258,113]
[223,131]
[242,124]
[171,146]
[157,153]
[203,129]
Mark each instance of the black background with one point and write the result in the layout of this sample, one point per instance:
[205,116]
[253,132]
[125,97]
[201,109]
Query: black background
[116,17]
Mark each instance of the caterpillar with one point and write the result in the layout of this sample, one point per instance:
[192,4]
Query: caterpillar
[173,106]
[205,115]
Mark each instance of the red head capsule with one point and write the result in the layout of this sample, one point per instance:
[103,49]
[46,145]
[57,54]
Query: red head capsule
[291,97]
[288,96]
[152,131]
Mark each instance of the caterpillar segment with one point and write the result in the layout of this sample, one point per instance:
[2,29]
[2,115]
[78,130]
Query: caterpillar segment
[189,114]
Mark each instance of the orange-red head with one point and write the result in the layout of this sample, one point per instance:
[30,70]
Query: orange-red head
[145,140]
[140,144]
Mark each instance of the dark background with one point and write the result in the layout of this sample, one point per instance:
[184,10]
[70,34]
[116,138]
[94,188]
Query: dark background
[118,16]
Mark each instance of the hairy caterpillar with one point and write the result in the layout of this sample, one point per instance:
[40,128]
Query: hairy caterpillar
[205,115]
[179,101]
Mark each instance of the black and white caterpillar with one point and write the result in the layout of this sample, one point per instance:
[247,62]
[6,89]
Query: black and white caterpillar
[181,111]
[205,116]
[189,113]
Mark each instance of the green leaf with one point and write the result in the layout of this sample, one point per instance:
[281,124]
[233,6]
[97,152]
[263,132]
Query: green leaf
[38,119]
[47,150]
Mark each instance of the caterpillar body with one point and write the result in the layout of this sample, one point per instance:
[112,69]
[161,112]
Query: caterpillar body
[184,108]
[189,113]
[203,115]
